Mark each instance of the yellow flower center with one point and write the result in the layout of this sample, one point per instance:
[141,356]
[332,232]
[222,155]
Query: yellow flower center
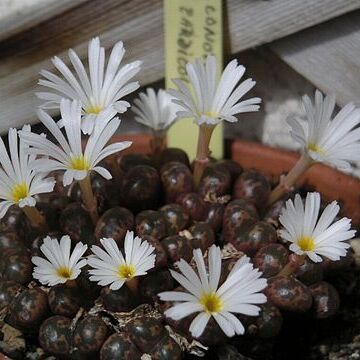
[94,109]
[126,271]
[315,148]
[64,272]
[211,114]
[79,163]
[19,192]
[306,243]
[211,302]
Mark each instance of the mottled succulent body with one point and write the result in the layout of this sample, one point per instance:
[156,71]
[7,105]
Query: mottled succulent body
[176,179]
[55,336]
[114,223]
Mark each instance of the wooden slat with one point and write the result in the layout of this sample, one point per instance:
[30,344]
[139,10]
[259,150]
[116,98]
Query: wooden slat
[328,56]
[139,24]
[19,15]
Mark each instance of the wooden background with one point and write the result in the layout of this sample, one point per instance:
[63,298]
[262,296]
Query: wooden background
[289,46]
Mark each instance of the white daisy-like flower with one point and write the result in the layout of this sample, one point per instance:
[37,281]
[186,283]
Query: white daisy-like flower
[111,268]
[60,264]
[213,100]
[312,236]
[238,294]
[69,155]
[155,110]
[98,90]
[19,181]
[332,141]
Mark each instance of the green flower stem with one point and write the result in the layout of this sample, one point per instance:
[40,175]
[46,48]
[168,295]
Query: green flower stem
[203,152]
[295,261]
[133,285]
[288,181]
[36,218]
[88,198]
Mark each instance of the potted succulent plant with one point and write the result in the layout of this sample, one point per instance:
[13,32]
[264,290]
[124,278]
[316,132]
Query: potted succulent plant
[115,255]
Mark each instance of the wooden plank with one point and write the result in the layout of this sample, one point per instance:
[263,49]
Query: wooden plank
[19,15]
[139,24]
[328,56]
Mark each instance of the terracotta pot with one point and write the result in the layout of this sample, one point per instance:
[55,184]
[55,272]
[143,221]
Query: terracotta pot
[140,143]
[331,183]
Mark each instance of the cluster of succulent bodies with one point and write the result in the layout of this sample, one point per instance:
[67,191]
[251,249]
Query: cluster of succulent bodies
[217,253]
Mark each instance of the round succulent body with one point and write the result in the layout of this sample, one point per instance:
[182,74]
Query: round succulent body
[140,188]
[174,155]
[29,309]
[76,222]
[90,334]
[289,294]
[152,223]
[194,205]
[119,346]
[64,300]
[55,337]
[252,186]
[176,218]
[176,179]
[270,259]
[114,223]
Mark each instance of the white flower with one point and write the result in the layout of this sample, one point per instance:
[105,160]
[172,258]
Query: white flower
[238,293]
[311,236]
[156,111]
[69,155]
[99,90]
[19,182]
[60,264]
[335,142]
[110,267]
[214,100]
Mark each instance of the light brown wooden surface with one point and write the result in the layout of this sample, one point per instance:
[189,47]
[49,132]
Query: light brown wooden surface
[139,24]
[19,15]
[328,55]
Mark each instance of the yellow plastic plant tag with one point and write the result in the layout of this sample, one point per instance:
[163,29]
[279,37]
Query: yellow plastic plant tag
[193,28]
